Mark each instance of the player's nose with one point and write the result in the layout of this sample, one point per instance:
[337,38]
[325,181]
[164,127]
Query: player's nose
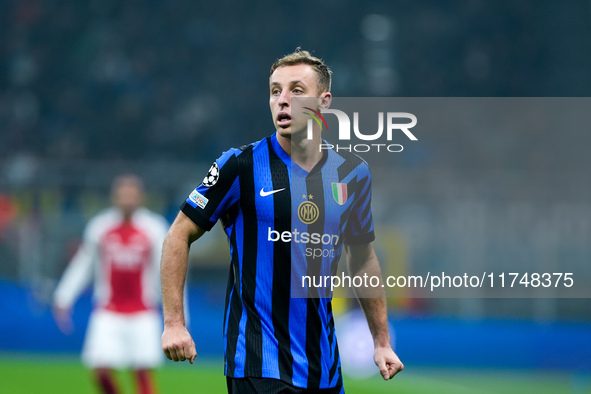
[284,99]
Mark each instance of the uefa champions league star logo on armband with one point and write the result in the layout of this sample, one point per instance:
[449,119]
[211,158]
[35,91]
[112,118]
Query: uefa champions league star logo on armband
[212,175]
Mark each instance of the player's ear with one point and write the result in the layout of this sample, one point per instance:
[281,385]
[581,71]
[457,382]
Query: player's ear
[325,100]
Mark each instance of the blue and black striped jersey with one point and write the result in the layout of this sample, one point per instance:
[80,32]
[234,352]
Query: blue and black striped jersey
[283,222]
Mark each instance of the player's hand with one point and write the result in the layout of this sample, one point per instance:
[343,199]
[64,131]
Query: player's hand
[63,319]
[387,361]
[178,345]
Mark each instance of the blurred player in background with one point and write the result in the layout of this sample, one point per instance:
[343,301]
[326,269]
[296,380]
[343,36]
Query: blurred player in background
[121,249]
[276,343]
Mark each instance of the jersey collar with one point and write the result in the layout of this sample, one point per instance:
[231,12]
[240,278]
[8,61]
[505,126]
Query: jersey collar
[293,165]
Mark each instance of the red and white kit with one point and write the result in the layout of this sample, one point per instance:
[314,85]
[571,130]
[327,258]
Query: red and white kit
[124,259]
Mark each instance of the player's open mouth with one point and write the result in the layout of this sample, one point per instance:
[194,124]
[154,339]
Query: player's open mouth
[283,119]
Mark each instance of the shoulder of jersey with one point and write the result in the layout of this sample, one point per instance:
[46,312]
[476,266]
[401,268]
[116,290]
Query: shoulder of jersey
[151,218]
[235,152]
[248,146]
[103,220]
[238,151]
[245,148]
[150,215]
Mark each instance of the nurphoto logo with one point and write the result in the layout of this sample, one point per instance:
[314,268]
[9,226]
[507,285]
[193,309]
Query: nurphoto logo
[392,128]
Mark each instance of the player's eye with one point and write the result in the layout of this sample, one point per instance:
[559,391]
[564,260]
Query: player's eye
[298,91]
[275,92]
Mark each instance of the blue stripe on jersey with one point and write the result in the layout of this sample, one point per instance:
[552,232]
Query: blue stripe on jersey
[264,270]
[298,306]
[297,327]
[226,319]
[222,208]
[241,342]
[332,213]
[283,155]
[325,349]
[229,296]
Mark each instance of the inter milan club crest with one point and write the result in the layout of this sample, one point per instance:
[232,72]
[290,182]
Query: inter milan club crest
[339,192]
[308,212]
[212,175]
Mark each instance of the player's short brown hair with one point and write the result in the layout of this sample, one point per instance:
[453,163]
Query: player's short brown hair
[304,57]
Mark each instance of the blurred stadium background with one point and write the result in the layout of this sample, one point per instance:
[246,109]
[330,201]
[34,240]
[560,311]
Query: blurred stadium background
[93,88]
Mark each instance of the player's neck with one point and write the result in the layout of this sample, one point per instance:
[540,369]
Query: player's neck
[303,152]
[126,216]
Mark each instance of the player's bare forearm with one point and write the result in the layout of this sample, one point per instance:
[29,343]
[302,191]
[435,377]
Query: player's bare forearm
[175,256]
[177,343]
[363,261]
[377,319]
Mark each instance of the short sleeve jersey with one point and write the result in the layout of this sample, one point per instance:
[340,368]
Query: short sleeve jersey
[283,222]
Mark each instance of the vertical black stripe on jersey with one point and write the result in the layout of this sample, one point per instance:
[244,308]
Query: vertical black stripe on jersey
[253,335]
[315,187]
[235,312]
[331,336]
[281,265]
[337,359]
[330,329]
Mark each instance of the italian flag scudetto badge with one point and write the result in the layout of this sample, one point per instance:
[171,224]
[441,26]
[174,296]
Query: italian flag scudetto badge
[339,192]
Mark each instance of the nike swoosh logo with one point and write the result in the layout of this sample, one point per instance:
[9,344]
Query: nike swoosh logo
[263,193]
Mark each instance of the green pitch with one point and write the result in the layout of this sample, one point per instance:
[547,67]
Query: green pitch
[43,374]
